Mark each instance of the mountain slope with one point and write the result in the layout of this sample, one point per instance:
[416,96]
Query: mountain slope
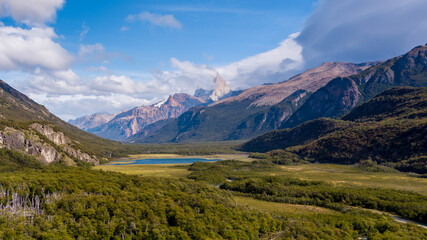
[391,128]
[342,94]
[30,128]
[128,123]
[91,121]
[238,117]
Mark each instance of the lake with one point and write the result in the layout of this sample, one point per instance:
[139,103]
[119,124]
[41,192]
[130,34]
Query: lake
[163,161]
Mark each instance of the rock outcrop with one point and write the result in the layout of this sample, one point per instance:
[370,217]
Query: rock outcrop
[221,91]
[32,141]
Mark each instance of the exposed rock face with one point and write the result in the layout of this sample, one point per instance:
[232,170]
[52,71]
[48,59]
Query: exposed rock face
[28,142]
[16,140]
[342,94]
[221,91]
[91,121]
[56,137]
[61,140]
[131,122]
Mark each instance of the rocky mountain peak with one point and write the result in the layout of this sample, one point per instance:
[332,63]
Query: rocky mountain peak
[222,90]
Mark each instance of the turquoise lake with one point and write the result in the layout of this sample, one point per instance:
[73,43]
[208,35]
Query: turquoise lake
[164,161]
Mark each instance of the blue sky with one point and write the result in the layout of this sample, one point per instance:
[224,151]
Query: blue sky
[212,32]
[82,57]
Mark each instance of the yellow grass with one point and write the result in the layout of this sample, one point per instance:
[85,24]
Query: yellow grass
[280,207]
[240,157]
[157,170]
[344,174]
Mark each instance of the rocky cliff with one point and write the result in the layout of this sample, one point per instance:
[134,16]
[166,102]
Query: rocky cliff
[43,143]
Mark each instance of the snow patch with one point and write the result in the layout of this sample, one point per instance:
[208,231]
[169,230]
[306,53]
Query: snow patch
[159,104]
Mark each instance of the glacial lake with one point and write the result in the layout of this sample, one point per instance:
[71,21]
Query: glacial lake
[163,161]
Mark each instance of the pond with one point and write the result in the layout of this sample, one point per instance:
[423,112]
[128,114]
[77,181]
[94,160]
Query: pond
[163,161]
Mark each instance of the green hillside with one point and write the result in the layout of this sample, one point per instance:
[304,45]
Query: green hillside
[19,111]
[390,129]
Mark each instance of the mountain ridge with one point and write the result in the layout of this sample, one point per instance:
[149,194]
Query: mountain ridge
[233,118]
[342,94]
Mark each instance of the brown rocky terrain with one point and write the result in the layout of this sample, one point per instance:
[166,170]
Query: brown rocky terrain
[130,122]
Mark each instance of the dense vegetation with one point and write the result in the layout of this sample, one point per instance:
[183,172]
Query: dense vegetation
[390,129]
[76,203]
[250,179]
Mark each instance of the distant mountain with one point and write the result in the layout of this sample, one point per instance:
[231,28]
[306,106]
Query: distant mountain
[253,111]
[221,91]
[342,94]
[29,128]
[91,121]
[390,129]
[128,123]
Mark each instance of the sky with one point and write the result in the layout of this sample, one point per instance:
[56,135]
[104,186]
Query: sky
[83,57]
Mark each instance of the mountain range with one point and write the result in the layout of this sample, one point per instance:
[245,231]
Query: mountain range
[137,121]
[331,90]
[253,111]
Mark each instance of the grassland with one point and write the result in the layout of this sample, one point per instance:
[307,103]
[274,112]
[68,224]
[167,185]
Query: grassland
[338,175]
[163,170]
[149,170]
[280,207]
[350,175]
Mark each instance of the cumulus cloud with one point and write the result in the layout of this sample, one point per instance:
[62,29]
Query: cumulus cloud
[274,65]
[363,30]
[97,53]
[156,19]
[33,12]
[90,49]
[28,49]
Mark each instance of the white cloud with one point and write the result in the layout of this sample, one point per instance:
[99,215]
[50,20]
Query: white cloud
[31,12]
[124,28]
[363,30]
[96,48]
[31,48]
[85,30]
[156,19]
[57,82]
[274,65]
[117,84]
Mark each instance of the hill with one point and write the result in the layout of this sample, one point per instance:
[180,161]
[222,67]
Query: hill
[29,128]
[389,129]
